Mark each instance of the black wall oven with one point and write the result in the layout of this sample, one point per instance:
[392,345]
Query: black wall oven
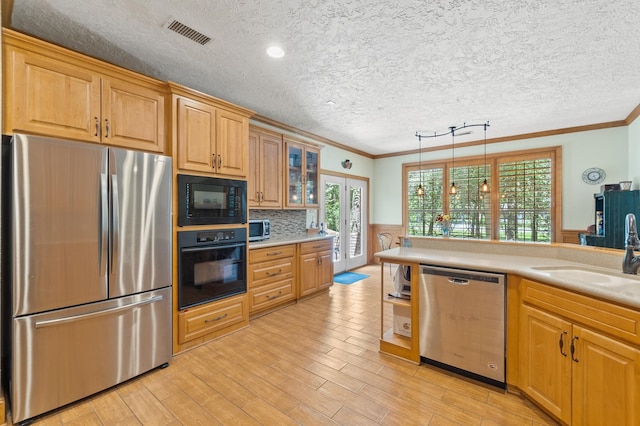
[211,201]
[211,265]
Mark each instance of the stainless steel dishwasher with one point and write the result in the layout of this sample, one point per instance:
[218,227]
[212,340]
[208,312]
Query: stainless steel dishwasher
[462,322]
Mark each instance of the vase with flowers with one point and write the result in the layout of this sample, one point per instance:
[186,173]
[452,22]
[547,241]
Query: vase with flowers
[444,221]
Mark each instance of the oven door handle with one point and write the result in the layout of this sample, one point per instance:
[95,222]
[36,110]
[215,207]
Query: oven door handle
[209,247]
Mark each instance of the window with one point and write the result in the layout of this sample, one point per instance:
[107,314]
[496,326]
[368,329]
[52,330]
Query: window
[422,210]
[520,207]
[470,210]
[525,200]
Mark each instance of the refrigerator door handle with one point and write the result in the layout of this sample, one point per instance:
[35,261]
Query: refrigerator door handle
[115,228]
[104,224]
[57,321]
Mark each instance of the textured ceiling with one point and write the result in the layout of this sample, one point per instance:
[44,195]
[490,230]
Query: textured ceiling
[391,68]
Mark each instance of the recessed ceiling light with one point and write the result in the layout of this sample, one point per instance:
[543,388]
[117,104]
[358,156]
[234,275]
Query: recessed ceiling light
[275,52]
[330,102]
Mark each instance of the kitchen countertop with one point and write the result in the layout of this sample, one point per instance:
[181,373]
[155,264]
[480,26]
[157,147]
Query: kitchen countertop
[615,286]
[278,241]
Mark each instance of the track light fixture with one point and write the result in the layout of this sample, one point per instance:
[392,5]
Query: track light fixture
[452,130]
[420,190]
[484,188]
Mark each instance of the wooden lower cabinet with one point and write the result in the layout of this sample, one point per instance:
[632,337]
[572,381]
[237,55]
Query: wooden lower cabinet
[272,275]
[579,374]
[205,322]
[316,266]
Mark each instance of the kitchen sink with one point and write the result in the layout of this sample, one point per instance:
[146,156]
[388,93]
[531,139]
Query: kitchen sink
[585,276]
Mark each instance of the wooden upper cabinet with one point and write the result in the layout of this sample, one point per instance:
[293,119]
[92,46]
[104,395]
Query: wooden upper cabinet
[211,136]
[302,175]
[196,123]
[48,97]
[232,144]
[132,116]
[265,170]
[55,92]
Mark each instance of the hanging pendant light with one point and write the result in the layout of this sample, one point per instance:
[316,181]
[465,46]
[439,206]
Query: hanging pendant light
[454,189]
[485,185]
[420,190]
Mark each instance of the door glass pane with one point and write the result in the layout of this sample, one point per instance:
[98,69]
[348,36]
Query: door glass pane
[294,188]
[355,221]
[312,178]
[332,215]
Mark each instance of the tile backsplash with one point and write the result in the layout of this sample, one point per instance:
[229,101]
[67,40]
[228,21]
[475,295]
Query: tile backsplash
[284,223]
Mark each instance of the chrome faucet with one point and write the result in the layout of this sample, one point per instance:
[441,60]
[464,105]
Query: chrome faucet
[631,263]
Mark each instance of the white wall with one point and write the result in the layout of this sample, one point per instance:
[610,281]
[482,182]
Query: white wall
[606,148]
[615,150]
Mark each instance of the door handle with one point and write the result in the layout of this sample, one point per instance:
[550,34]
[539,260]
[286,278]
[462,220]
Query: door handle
[104,224]
[273,274]
[97,126]
[573,348]
[115,225]
[106,127]
[215,319]
[275,296]
[561,343]
[57,321]
[213,161]
[219,161]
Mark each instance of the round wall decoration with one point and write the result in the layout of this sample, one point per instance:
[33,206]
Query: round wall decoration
[593,175]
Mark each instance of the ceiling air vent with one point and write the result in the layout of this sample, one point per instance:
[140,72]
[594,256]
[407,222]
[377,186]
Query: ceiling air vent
[187,32]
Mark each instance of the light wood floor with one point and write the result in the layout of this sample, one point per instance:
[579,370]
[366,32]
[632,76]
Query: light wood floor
[316,362]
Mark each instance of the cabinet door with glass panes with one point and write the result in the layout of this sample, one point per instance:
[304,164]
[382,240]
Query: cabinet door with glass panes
[302,174]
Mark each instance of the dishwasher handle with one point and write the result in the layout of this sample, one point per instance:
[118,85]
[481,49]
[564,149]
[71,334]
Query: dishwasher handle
[458,281]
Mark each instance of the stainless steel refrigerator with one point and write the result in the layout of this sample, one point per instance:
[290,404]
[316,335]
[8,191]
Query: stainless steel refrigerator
[89,291]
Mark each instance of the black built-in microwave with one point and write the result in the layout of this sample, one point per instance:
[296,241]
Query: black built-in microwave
[211,201]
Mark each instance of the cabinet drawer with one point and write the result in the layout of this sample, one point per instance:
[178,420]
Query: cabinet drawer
[603,316]
[270,295]
[267,272]
[200,321]
[316,246]
[271,253]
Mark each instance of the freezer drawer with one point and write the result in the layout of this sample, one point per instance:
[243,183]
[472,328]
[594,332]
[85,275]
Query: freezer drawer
[462,321]
[68,354]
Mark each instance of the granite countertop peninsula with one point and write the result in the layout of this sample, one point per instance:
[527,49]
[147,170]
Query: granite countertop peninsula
[290,239]
[590,271]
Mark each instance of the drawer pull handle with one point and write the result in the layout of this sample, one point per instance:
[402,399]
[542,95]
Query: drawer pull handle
[275,296]
[573,349]
[275,253]
[320,246]
[273,274]
[561,343]
[215,319]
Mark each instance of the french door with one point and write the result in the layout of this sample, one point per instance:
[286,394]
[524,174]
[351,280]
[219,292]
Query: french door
[343,210]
